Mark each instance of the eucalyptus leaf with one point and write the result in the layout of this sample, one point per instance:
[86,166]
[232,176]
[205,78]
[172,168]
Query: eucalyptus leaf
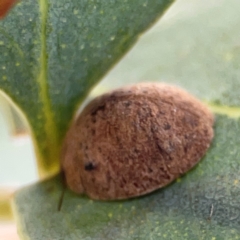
[53,52]
[204,204]
[195,46]
[196,50]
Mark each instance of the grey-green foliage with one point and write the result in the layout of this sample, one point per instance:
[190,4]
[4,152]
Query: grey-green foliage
[196,50]
[53,52]
[195,46]
[179,211]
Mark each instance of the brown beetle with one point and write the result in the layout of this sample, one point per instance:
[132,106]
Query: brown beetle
[134,140]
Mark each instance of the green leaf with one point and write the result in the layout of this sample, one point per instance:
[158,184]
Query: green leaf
[53,52]
[179,211]
[197,50]
[195,46]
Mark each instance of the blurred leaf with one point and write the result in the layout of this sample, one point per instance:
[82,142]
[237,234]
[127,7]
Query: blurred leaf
[196,46]
[53,52]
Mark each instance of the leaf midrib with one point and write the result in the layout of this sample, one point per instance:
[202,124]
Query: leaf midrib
[50,127]
[231,112]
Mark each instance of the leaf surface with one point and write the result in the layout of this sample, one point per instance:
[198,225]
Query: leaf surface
[179,211]
[195,46]
[194,49]
[53,52]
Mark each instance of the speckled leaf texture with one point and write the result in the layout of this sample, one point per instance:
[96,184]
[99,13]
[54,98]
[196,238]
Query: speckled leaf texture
[197,48]
[54,51]
[180,211]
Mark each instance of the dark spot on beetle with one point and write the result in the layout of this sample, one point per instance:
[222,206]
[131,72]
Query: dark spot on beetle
[127,103]
[185,150]
[162,112]
[150,170]
[145,91]
[136,185]
[167,126]
[124,181]
[94,120]
[99,108]
[136,150]
[89,166]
